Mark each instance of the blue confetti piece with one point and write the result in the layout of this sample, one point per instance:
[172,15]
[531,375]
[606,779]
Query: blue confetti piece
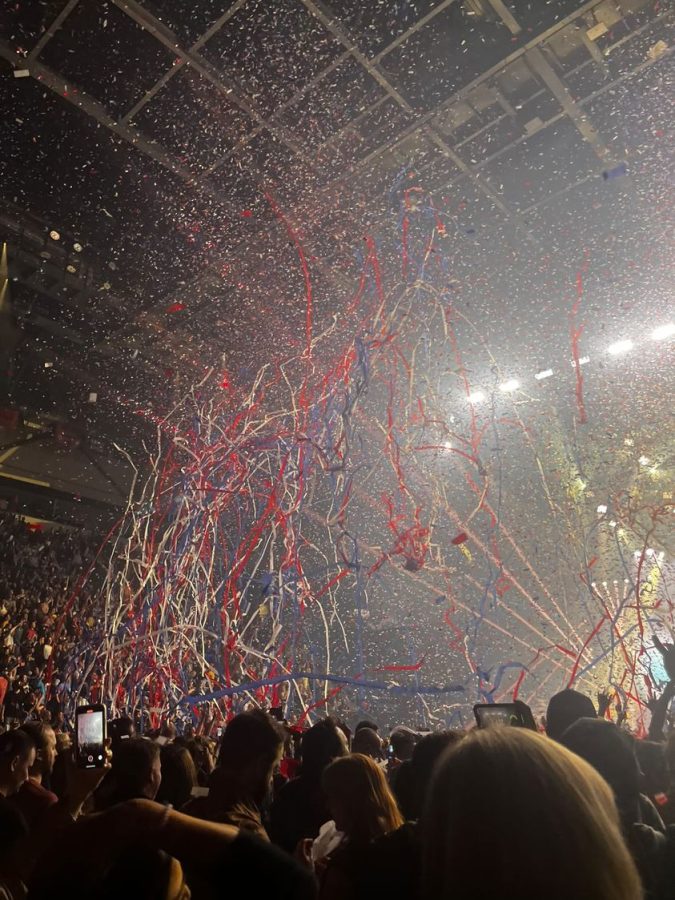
[616,172]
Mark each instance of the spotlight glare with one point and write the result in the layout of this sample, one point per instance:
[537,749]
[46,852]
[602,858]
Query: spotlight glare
[476,397]
[663,332]
[509,386]
[546,373]
[619,347]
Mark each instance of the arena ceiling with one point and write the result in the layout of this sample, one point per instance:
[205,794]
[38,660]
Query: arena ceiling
[168,139]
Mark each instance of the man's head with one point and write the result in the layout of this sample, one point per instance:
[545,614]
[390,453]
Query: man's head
[250,750]
[367,742]
[564,708]
[44,739]
[403,742]
[136,770]
[364,723]
[17,756]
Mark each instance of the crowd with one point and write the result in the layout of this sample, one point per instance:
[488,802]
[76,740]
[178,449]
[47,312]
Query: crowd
[578,810]
[44,637]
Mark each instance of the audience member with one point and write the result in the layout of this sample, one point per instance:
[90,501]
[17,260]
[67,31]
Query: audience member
[17,757]
[34,798]
[179,776]
[367,742]
[136,772]
[250,750]
[512,814]
[299,810]
[363,809]
[564,708]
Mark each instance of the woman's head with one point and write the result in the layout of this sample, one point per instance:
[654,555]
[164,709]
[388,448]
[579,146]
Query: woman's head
[179,776]
[542,818]
[359,798]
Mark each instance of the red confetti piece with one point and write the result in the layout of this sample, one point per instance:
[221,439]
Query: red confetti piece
[246,213]
[461,538]
[175,307]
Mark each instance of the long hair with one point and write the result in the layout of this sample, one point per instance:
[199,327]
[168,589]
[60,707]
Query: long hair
[179,776]
[361,787]
[511,813]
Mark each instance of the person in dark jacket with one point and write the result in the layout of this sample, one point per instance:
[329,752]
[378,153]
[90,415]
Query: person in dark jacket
[299,809]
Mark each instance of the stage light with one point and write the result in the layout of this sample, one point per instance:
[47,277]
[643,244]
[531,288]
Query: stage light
[602,509]
[619,347]
[663,332]
[546,373]
[476,397]
[507,387]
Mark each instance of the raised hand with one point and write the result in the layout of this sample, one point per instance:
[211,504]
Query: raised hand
[667,651]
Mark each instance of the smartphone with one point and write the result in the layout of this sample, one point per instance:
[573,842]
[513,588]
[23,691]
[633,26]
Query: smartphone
[489,714]
[90,735]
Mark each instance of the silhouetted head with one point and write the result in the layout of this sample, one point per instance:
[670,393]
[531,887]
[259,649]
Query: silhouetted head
[611,752]
[564,708]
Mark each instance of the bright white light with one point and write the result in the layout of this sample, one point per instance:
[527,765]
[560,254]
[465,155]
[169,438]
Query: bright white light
[663,332]
[54,235]
[546,373]
[476,397]
[447,445]
[602,509]
[644,460]
[619,347]
[509,386]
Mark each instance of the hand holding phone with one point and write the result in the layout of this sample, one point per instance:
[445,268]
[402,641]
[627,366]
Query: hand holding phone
[90,736]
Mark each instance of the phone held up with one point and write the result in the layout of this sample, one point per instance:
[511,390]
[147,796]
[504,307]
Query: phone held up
[489,714]
[90,736]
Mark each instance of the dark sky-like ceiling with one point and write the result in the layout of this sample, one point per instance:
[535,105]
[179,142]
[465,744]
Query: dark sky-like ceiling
[487,183]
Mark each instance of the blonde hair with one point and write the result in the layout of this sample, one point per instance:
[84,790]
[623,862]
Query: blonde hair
[369,805]
[511,814]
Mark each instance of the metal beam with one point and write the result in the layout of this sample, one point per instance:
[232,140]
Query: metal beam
[458,95]
[165,36]
[539,65]
[373,70]
[51,31]
[505,15]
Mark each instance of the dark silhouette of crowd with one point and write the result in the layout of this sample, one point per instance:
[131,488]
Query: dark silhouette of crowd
[577,808]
